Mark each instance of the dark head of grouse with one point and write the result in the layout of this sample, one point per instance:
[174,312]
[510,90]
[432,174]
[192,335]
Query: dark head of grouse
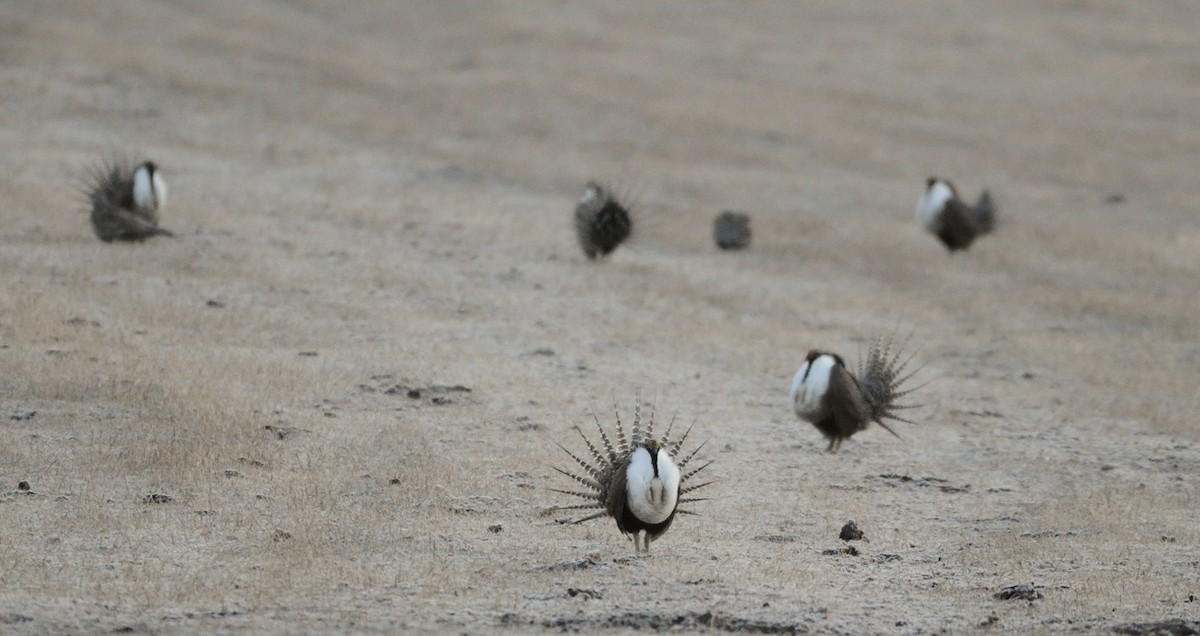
[942,213]
[126,201]
[601,221]
[639,480]
[840,403]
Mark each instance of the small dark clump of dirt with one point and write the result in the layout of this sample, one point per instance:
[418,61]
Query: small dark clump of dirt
[282,432]
[574,592]
[777,538]
[1024,592]
[851,532]
[1173,627]
[586,563]
[690,622]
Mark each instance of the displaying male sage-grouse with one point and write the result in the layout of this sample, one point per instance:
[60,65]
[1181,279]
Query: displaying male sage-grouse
[828,396]
[956,224]
[601,222]
[126,201]
[636,480]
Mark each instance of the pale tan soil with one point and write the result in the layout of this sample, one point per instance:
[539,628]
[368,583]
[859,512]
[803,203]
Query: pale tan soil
[390,186]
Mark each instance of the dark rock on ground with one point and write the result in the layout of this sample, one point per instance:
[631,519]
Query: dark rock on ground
[1024,592]
[731,230]
[851,532]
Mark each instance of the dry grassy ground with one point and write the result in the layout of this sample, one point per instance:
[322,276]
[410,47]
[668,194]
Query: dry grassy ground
[372,198]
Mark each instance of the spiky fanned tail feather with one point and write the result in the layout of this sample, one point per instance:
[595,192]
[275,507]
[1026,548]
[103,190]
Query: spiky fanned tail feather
[112,223]
[882,379]
[985,213]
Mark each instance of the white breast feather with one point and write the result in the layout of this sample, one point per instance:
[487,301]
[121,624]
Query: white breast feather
[160,191]
[143,193]
[807,391]
[668,472]
[931,204]
[650,498]
[797,384]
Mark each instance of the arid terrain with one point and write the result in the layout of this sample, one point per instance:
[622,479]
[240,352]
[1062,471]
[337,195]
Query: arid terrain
[332,402]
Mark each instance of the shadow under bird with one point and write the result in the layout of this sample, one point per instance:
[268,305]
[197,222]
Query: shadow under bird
[840,403]
[126,201]
[942,213]
[638,480]
[601,222]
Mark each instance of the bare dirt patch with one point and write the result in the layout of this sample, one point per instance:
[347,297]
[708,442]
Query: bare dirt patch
[353,361]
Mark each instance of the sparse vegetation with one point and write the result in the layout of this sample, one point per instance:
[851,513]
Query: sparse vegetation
[370,213]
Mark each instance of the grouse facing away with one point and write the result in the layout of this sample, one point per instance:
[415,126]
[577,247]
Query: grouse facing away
[942,213]
[601,222]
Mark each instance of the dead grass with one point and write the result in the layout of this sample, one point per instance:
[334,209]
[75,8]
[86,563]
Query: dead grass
[378,200]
